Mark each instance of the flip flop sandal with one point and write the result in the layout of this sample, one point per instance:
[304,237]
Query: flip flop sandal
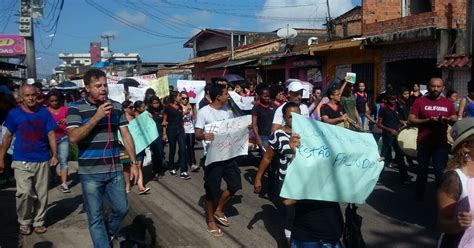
[223,220]
[216,232]
[25,230]
[40,229]
[144,191]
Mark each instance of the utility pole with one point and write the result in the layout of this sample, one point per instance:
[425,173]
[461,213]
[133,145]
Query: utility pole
[107,37]
[26,30]
[470,34]
[329,22]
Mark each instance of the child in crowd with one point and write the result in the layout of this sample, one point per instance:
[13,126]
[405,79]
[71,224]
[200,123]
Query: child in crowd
[280,148]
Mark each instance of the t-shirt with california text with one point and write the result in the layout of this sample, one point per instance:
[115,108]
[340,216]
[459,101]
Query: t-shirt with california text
[31,133]
[99,152]
[432,133]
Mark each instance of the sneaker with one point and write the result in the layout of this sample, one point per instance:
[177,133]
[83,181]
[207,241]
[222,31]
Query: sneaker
[184,176]
[173,172]
[194,168]
[64,188]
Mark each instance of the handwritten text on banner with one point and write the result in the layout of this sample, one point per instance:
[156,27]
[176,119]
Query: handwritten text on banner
[332,164]
[230,139]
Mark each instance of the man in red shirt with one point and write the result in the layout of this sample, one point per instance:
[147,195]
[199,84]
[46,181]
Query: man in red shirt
[431,114]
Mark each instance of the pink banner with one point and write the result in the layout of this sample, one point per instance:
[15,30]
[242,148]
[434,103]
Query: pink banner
[12,45]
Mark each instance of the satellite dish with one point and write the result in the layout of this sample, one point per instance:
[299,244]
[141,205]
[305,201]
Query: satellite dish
[287,33]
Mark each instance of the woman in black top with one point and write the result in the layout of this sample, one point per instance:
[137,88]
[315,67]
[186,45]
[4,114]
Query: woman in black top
[173,130]
[332,112]
[155,108]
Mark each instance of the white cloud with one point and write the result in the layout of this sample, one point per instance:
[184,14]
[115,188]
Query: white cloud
[317,9]
[137,18]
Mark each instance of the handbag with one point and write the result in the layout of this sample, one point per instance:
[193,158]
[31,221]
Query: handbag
[352,236]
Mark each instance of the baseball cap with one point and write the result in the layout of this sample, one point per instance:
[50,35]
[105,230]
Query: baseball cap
[461,130]
[295,86]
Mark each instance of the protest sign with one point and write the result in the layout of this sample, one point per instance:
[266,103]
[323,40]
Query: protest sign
[116,92]
[247,102]
[194,88]
[137,94]
[331,164]
[142,80]
[230,139]
[143,131]
[161,86]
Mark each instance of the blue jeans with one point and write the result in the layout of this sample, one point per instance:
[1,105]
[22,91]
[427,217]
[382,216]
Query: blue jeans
[312,244]
[97,188]
[63,152]
[177,136]
[265,143]
[157,154]
[438,156]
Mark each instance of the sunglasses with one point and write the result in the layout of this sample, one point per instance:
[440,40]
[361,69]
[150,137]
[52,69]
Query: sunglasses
[185,98]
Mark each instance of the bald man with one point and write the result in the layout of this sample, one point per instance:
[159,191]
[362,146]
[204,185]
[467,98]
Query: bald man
[34,150]
[431,114]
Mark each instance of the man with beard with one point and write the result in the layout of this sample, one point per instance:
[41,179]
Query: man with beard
[93,124]
[431,113]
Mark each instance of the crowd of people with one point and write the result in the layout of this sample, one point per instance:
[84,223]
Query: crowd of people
[37,132]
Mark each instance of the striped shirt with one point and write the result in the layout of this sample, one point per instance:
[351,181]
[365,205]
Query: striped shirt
[99,151]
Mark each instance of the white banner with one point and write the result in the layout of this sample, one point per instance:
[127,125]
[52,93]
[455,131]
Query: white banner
[230,139]
[142,80]
[248,102]
[137,94]
[194,88]
[116,92]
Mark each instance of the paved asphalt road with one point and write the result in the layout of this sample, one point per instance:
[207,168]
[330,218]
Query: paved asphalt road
[172,215]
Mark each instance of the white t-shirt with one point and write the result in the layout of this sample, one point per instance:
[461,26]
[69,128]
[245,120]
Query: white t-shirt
[278,117]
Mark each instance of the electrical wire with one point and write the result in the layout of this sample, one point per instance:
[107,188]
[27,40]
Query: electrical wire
[10,14]
[129,24]
[275,18]
[165,23]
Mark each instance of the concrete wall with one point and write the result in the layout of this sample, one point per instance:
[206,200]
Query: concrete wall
[398,52]
[457,80]
[213,42]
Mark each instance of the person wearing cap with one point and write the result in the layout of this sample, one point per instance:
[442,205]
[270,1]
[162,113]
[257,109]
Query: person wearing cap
[431,114]
[455,193]
[295,93]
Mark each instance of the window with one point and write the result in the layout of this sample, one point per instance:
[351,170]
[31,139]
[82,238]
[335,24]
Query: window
[413,7]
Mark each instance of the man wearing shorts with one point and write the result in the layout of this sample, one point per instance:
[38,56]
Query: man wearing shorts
[215,172]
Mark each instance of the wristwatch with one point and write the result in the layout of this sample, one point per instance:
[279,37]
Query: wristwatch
[135,162]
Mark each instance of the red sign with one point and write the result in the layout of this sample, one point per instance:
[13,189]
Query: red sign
[12,45]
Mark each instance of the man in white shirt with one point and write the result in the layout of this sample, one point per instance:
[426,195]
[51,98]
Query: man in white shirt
[295,93]
[215,172]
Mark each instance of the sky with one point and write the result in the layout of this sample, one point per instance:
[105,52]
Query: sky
[156,29]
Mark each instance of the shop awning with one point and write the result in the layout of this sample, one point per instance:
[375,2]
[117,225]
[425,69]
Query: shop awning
[231,63]
[11,67]
[333,45]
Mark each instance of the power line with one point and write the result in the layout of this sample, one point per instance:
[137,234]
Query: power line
[161,20]
[275,18]
[10,14]
[129,24]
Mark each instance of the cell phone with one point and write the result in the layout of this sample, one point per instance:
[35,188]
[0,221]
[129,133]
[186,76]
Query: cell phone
[351,77]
